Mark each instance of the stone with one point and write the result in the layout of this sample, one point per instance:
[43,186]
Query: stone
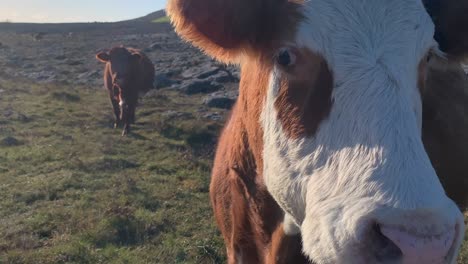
[220,102]
[224,77]
[200,87]
[9,142]
[200,71]
[163,81]
[213,116]
[209,73]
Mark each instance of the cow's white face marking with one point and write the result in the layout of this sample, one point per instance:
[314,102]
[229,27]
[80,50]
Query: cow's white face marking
[366,163]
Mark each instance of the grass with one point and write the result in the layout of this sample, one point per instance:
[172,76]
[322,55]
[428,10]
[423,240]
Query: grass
[164,19]
[463,258]
[72,190]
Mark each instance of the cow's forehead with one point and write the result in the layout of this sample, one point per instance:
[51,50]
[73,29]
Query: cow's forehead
[366,31]
[369,49]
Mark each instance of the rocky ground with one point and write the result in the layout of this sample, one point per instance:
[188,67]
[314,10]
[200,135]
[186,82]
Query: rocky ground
[64,56]
[68,58]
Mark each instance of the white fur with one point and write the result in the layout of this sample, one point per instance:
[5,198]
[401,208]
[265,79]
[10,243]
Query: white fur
[366,163]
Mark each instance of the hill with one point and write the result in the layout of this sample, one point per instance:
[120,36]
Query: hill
[134,26]
[151,17]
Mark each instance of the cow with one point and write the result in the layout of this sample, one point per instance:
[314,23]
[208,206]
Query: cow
[335,146]
[127,72]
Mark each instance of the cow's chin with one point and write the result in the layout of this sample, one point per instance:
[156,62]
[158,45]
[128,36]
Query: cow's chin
[329,234]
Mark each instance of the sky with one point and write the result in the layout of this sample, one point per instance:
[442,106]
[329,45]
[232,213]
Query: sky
[57,11]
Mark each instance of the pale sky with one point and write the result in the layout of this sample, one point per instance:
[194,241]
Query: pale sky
[76,10]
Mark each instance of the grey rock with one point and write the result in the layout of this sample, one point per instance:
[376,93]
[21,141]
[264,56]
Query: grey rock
[89,75]
[209,73]
[220,102]
[231,94]
[213,116]
[154,46]
[60,57]
[9,142]
[200,71]
[200,87]
[73,62]
[163,81]
[234,71]
[224,77]
[171,73]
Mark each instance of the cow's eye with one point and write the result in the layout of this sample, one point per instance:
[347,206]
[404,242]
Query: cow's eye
[285,57]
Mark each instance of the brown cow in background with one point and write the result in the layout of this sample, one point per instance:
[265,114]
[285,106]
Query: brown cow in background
[127,72]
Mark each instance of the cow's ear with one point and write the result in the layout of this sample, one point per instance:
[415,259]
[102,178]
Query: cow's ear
[451,23]
[103,56]
[224,28]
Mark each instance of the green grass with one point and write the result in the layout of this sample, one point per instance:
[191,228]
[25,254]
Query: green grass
[72,190]
[164,19]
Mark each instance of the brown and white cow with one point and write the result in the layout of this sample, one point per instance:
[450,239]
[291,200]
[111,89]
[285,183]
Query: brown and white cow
[323,157]
[127,72]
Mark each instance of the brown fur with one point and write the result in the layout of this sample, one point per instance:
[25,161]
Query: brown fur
[248,217]
[422,73]
[223,29]
[305,95]
[127,72]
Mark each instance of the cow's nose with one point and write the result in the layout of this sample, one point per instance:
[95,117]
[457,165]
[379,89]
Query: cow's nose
[397,243]
[421,248]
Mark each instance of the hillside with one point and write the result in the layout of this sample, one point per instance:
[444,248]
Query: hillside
[134,26]
[152,16]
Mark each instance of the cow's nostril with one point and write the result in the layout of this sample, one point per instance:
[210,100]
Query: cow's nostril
[384,248]
[418,248]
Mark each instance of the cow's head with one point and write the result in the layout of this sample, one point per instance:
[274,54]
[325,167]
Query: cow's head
[122,64]
[342,117]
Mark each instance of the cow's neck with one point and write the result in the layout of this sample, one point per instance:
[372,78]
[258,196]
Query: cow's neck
[252,95]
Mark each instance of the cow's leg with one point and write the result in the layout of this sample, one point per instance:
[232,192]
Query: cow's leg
[116,107]
[124,109]
[131,113]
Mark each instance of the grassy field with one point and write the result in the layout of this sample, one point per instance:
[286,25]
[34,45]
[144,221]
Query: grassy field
[72,190]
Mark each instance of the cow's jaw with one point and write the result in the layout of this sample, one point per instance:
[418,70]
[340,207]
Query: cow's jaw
[366,163]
